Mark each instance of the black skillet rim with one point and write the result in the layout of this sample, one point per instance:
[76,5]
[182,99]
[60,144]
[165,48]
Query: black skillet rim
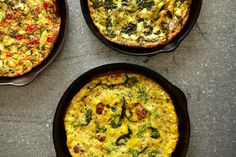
[178,97]
[171,46]
[31,75]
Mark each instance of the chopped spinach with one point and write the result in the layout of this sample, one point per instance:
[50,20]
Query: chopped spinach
[110,33]
[136,153]
[10,3]
[123,109]
[115,110]
[100,129]
[123,137]
[97,3]
[145,4]
[131,81]
[140,39]
[130,29]
[129,117]
[115,122]
[109,5]
[140,133]
[108,150]
[148,30]
[154,133]
[143,94]
[88,116]
[152,40]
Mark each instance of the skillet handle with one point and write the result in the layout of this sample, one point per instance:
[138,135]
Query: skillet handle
[19,81]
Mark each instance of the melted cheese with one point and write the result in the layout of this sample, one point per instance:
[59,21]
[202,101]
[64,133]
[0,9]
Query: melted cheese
[121,115]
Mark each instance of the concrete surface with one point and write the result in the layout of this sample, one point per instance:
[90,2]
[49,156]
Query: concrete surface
[203,66]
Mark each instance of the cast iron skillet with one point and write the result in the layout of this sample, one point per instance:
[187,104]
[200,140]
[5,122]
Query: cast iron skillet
[30,76]
[172,45]
[178,97]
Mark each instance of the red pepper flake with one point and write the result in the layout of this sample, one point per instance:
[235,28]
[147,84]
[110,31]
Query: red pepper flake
[20,37]
[31,28]
[9,17]
[8,54]
[45,5]
[100,138]
[50,40]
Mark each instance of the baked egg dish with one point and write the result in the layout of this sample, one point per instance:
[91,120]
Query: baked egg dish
[121,114]
[139,23]
[28,32]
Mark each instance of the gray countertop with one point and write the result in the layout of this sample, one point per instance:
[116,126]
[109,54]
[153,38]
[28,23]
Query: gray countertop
[203,66]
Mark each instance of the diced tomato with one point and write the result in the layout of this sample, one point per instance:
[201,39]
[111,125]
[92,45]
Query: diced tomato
[20,37]
[31,28]
[36,9]
[50,40]
[45,5]
[8,54]
[33,42]
[9,17]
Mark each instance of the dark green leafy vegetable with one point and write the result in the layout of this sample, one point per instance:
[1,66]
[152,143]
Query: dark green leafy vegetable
[123,109]
[130,116]
[130,29]
[154,133]
[88,116]
[140,133]
[109,5]
[136,153]
[123,137]
[125,2]
[148,30]
[145,4]
[97,3]
[100,129]
[9,2]
[140,39]
[115,110]
[130,81]
[108,150]
[110,33]
[115,122]
[152,40]
[143,94]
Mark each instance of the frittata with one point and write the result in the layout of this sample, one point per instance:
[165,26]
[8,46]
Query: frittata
[139,23]
[28,32]
[121,114]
